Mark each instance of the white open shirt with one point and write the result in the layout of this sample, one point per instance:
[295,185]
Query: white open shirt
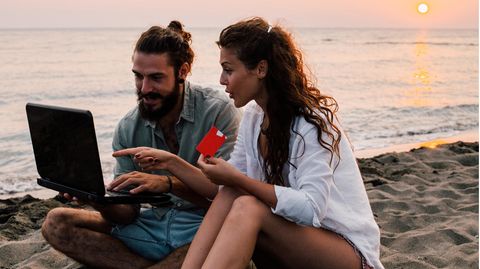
[318,194]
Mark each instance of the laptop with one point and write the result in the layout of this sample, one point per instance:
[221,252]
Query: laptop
[66,154]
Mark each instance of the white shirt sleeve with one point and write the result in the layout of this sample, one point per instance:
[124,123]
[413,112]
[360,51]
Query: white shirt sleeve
[306,201]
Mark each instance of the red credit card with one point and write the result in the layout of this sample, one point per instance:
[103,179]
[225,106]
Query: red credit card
[212,141]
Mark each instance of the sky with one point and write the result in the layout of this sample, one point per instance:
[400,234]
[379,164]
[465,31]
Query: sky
[220,13]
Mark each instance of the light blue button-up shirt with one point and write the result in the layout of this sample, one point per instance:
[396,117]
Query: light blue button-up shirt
[202,109]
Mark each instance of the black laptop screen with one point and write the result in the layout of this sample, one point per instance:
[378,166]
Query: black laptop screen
[65,147]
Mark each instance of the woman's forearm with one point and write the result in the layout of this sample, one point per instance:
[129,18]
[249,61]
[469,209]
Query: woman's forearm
[263,191]
[181,190]
[192,177]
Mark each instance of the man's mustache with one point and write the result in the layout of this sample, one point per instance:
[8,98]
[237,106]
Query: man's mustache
[150,95]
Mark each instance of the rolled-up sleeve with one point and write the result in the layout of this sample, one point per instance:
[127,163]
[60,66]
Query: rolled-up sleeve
[306,201]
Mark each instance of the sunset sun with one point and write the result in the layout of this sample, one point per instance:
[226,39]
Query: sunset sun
[422,8]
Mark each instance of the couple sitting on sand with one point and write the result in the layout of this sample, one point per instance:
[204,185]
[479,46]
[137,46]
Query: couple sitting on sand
[289,196]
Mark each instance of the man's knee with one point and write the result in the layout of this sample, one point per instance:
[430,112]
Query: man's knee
[57,226]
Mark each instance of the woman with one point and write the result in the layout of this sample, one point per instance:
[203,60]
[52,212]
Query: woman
[292,187]
[292,194]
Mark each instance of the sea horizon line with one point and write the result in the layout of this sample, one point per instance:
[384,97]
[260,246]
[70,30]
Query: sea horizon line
[34,28]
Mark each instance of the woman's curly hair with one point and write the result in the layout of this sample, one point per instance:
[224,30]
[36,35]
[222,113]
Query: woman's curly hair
[290,92]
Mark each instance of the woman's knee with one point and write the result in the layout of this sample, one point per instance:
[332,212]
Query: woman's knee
[248,207]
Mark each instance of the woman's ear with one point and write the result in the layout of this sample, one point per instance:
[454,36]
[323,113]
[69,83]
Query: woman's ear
[262,69]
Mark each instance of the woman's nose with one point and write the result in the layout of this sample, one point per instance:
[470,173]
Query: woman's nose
[223,80]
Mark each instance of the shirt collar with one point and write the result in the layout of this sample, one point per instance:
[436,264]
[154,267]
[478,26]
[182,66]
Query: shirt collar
[187,109]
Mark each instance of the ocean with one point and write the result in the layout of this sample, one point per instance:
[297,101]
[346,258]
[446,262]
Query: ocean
[393,86]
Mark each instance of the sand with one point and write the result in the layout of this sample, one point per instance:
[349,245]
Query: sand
[425,202]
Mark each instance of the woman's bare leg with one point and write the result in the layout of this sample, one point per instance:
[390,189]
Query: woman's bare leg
[210,227]
[296,246]
[236,241]
[263,257]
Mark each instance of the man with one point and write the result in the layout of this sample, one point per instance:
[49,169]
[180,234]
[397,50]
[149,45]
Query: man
[172,115]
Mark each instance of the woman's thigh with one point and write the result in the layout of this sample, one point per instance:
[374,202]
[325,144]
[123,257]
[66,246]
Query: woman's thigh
[298,246]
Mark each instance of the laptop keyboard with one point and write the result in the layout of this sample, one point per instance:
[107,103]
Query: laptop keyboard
[124,191]
[118,193]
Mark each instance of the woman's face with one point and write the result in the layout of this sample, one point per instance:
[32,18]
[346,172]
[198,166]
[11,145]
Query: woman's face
[242,84]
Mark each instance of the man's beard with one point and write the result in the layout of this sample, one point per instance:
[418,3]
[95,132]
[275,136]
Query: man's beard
[168,103]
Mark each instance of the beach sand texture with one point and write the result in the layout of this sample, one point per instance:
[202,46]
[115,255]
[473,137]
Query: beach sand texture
[425,201]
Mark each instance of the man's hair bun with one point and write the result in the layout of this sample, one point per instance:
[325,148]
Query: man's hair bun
[178,27]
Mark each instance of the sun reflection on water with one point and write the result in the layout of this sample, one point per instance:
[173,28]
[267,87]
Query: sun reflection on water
[421,77]
[433,144]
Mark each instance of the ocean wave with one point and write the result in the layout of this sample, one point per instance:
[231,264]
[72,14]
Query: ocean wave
[86,94]
[433,110]
[10,184]
[447,129]
[107,134]
[401,112]
[22,137]
[390,126]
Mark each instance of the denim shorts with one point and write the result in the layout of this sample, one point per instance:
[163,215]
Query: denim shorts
[156,233]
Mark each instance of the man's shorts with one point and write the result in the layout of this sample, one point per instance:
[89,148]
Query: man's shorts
[155,234]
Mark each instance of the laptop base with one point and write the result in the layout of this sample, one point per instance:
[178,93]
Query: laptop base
[116,198]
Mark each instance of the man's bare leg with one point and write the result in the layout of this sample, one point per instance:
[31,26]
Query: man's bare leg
[174,260]
[84,236]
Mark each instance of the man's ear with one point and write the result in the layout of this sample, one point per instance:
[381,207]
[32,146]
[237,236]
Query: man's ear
[262,69]
[183,71]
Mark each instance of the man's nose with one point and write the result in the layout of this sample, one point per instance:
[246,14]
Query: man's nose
[146,86]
